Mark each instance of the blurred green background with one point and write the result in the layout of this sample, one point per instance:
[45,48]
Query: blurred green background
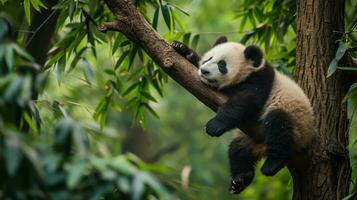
[109,123]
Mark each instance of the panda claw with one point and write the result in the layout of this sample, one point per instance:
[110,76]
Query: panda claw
[240,182]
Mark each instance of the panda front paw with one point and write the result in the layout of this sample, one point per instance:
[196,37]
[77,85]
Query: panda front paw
[215,128]
[182,49]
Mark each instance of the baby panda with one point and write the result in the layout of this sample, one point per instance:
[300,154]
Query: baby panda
[262,103]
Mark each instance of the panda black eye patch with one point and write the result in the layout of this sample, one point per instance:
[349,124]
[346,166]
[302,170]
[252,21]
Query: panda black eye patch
[222,66]
[207,60]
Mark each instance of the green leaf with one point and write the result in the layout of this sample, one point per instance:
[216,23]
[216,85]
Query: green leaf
[157,87]
[195,40]
[22,52]
[121,59]
[332,67]
[179,9]
[30,122]
[37,4]
[77,58]
[27,8]
[75,174]
[13,89]
[9,58]
[88,72]
[55,59]
[147,106]
[131,88]
[101,107]
[155,18]
[251,18]
[166,13]
[12,155]
[116,43]
[353,89]
[186,38]
[4,28]
[122,165]
[180,22]
[25,93]
[148,96]
[137,187]
[341,50]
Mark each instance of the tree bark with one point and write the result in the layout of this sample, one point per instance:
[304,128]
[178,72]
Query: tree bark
[319,24]
[323,171]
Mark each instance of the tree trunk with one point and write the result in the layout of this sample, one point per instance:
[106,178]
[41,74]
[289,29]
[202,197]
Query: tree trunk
[327,176]
[323,171]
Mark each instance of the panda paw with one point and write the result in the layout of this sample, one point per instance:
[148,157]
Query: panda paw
[240,182]
[215,128]
[182,49]
[273,166]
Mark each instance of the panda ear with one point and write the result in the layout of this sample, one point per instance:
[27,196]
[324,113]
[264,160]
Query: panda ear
[254,54]
[220,40]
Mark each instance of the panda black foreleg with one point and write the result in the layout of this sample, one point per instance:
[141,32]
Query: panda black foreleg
[186,52]
[241,107]
[242,162]
[278,131]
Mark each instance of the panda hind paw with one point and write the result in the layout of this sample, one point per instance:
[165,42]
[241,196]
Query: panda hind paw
[240,182]
[273,166]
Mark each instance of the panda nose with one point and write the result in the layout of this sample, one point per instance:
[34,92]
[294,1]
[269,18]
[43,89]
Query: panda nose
[204,72]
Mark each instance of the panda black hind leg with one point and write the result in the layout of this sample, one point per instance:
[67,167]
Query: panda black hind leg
[242,160]
[278,131]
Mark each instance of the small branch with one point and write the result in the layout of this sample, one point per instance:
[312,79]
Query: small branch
[109,26]
[164,151]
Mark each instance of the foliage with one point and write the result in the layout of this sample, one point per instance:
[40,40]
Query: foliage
[69,142]
[62,167]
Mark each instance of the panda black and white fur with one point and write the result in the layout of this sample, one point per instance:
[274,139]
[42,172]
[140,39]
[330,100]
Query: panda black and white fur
[263,104]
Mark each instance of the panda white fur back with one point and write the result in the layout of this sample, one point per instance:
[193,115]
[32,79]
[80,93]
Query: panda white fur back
[287,95]
[262,102]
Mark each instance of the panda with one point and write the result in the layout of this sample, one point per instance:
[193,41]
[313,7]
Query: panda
[262,103]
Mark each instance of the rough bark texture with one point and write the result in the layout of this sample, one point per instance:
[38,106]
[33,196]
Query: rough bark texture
[328,173]
[323,172]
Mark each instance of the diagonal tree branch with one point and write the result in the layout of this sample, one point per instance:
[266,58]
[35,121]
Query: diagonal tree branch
[133,25]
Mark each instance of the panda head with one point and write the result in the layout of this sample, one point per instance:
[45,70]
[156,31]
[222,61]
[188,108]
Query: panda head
[229,63]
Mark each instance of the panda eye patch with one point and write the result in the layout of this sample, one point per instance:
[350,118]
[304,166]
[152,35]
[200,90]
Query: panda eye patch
[222,66]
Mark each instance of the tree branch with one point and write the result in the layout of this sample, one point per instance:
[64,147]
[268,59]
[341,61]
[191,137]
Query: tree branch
[133,25]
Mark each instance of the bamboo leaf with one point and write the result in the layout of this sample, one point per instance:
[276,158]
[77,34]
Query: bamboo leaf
[131,88]
[341,50]
[12,155]
[353,89]
[179,21]
[166,13]
[27,8]
[195,40]
[332,67]
[155,18]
